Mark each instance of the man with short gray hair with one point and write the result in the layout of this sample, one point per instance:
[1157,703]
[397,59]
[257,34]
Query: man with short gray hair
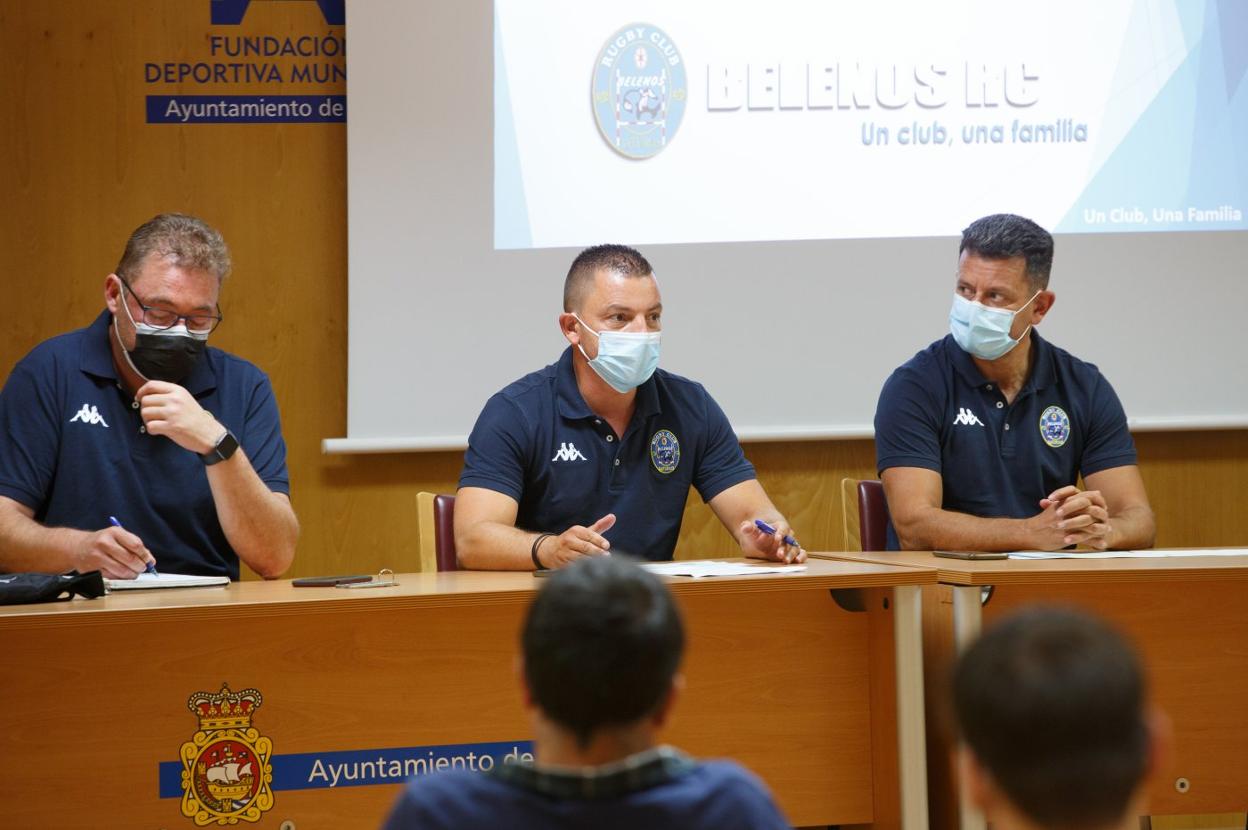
[131,443]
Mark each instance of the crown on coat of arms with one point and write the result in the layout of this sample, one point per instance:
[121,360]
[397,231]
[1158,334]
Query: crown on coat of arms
[225,709]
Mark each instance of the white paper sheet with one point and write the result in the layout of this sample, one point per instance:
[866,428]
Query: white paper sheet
[1159,553]
[717,567]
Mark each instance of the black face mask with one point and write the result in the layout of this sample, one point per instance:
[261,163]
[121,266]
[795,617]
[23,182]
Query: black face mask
[162,354]
[165,356]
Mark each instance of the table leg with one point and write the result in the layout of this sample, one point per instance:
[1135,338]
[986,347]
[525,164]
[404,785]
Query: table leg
[968,619]
[911,739]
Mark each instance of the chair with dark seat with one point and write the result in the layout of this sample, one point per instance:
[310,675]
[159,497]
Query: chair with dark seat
[436,515]
[864,514]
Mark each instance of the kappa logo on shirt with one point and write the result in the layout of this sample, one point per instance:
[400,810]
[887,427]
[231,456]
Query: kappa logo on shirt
[967,417]
[89,415]
[568,452]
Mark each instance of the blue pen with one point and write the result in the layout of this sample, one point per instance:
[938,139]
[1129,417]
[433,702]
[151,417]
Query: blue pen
[771,531]
[151,567]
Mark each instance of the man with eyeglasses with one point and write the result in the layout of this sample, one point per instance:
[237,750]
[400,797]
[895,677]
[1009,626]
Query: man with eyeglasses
[130,443]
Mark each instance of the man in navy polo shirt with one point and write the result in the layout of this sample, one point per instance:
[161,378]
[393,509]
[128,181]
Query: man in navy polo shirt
[981,438]
[130,443]
[596,453]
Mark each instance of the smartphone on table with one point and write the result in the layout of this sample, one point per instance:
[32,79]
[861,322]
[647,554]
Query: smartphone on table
[970,554]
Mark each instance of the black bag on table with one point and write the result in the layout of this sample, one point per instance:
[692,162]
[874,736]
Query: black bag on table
[20,589]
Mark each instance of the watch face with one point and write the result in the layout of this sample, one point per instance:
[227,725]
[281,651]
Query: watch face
[227,445]
[223,450]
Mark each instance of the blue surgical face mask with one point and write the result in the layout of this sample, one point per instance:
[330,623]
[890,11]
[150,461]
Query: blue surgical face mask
[626,359]
[984,331]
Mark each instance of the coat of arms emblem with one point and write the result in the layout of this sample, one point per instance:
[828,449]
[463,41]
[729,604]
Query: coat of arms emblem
[226,766]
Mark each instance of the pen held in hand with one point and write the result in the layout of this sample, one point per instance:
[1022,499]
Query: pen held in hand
[151,566]
[771,531]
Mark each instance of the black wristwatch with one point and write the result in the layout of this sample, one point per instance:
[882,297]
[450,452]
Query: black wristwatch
[226,445]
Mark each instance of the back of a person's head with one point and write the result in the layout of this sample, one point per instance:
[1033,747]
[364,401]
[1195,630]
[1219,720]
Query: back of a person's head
[1050,702]
[602,642]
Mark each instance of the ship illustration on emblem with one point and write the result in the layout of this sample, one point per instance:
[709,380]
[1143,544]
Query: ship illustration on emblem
[227,773]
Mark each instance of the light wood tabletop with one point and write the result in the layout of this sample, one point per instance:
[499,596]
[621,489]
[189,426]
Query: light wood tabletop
[423,590]
[1041,571]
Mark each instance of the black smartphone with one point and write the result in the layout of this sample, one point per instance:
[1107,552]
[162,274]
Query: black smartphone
[970,554]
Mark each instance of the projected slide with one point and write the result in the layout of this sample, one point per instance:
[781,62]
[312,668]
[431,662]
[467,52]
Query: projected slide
[713,121]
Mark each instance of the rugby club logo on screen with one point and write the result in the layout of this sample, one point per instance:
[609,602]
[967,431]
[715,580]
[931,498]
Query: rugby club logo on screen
[639,90]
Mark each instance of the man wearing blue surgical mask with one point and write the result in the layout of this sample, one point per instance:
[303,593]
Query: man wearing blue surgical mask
[595,454]
[983,438]
[131,444]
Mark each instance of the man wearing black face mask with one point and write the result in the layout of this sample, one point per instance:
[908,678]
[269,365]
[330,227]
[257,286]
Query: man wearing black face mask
[131,443]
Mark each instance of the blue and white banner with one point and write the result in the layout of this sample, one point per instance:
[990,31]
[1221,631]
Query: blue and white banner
[703,121]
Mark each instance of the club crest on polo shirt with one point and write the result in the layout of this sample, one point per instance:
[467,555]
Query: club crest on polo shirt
[665,451]
[89,415]
[1054,426]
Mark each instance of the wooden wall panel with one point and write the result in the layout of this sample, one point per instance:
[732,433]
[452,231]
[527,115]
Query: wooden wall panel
[81,169]
[1197,482]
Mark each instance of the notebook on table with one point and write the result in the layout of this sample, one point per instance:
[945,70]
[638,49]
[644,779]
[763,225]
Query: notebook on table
[146,581]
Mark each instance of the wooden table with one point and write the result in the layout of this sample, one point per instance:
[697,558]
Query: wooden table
[1189,618]
[357,687]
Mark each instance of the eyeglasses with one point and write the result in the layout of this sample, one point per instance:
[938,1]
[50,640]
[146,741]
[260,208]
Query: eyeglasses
[165,318]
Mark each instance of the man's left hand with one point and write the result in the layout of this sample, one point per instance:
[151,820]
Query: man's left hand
[169,410]
[759,545]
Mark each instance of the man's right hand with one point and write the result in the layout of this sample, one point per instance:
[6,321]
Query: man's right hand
[1049,530]
[575,542]
[115,551]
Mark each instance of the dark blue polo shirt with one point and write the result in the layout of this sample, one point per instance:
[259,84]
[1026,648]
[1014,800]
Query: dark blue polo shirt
[715,795]
[73,448]
[538,442]
[997,459]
